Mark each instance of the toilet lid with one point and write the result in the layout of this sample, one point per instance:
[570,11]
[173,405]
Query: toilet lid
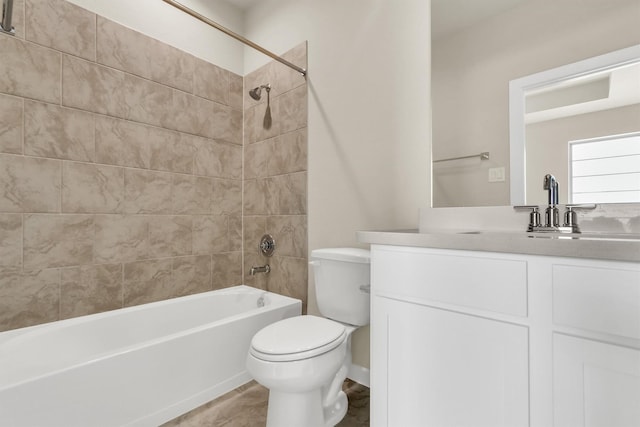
[297,338]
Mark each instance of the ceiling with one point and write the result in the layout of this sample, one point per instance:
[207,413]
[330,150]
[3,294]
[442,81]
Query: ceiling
[446,15]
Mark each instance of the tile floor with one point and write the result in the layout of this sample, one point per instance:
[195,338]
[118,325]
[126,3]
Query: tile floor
[246,406]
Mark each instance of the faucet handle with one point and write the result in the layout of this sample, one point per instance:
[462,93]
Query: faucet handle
[571,218]
[582,206]
[534,215]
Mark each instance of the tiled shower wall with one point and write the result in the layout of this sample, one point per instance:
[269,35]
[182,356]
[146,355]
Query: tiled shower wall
[120,168]
[275,176]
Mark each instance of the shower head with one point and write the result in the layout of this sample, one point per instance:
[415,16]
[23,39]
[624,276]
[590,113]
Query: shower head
[255,93]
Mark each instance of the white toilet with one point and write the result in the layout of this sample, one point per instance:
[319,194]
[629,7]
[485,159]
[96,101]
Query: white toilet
[304,360]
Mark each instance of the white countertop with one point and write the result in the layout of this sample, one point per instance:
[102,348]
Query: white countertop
[616,247]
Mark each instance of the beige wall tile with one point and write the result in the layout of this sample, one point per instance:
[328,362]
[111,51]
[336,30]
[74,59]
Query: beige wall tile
[62,26]
[287,194]
[29,184]
[236,119]
[210,234]
[170,236]
[189,114]
[128,50]
[147,281]
[276,156]
[226,198]
[29,298]
[286,276]
[254,121]
[11,117]
[236,89]
[254,228]
[288,153]
[224,124]
[226,270]
[191,275]
[211,82]
[235,233]
[145,101]
[90,188]
[291,234]
[93,87]
[292,109]
[255,196]
[29,70]
[286,78]
[57,240]
[257,157]
[58,132]
[123,143]
[218,159]
[10,240]
[191,194]
[121,238]
[172,151]
[147,192]
[90,289]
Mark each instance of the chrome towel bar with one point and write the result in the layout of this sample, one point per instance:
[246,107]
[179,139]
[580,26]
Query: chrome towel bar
[483,156]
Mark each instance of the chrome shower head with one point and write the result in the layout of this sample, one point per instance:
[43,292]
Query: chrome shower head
[256,92]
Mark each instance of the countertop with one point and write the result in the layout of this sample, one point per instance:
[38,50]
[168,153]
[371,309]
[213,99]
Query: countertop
[615,247]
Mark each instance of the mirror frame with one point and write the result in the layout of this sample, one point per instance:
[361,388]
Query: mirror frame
[517,91]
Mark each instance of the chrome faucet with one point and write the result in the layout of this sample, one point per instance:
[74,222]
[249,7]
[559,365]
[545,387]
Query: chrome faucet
[263,269]
[552,217]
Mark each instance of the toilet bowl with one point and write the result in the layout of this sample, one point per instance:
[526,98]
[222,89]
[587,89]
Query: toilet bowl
[304,371]
[304,360]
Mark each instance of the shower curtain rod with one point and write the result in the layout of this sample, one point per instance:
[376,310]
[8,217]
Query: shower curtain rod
[235,35]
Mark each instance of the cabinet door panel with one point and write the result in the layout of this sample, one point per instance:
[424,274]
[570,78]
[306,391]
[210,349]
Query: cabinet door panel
[597,299]
[595,384]
[451,369]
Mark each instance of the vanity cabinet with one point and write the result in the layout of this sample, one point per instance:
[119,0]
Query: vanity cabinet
[470,338]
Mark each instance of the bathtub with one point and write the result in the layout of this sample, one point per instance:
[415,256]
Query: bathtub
[138,366]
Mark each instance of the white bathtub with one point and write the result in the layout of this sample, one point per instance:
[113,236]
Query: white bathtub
[138,366]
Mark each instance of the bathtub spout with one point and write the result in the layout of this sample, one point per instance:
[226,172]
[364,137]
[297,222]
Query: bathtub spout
[263,269]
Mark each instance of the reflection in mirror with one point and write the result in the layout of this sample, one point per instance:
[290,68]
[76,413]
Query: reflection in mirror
[581,123]
[473,62]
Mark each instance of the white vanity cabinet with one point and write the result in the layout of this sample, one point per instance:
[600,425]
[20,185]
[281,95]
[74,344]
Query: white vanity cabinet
[470,338]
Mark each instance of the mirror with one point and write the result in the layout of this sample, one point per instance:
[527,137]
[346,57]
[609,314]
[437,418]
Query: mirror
[473,60]
[579,122]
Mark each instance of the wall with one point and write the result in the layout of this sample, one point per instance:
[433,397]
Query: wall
[369,117]
[471,74]
[275,176]
[120,168]
[159,20]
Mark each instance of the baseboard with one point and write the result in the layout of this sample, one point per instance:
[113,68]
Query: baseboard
[359,374]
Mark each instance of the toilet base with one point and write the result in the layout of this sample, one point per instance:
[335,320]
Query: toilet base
[304,409]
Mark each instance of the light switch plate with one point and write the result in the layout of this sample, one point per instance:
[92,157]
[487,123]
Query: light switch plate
[496,174]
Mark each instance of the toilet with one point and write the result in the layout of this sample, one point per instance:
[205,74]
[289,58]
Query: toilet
[304,360]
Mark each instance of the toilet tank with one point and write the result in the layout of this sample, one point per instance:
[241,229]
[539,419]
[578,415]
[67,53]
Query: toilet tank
[342,282]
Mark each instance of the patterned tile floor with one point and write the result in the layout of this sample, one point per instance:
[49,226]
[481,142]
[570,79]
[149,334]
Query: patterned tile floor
[246,406]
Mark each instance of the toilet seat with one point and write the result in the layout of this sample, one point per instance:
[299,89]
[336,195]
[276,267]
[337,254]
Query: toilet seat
[297,338]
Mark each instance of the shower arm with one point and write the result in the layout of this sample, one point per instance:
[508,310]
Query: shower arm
[7,12]
[236,36]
